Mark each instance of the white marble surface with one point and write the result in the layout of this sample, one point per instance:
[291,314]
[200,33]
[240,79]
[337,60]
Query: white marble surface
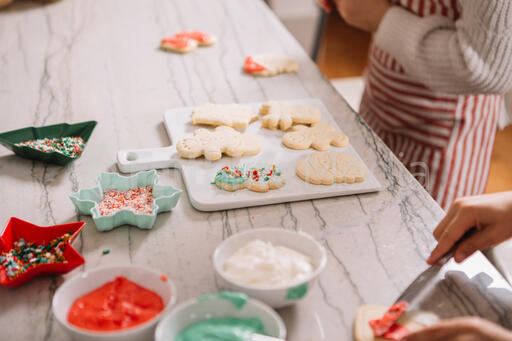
[78,60]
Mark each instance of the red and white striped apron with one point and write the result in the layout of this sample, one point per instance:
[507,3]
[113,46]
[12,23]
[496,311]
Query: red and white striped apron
[444,140]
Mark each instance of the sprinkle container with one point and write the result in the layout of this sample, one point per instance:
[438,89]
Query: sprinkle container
[11,138]
[17,229]
[88,201]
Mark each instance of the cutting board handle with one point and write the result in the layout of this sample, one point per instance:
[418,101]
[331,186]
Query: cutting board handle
[135,160]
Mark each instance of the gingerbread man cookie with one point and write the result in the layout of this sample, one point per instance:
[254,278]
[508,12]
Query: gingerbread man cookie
[284,114]
[269,64]
[319,136]
[212,144]
[326,168]
[231,115]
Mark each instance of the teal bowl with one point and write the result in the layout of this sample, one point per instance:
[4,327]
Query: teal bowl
[165,198]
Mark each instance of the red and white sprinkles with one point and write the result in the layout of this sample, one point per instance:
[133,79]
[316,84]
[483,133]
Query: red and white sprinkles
[139,200]
[68,146]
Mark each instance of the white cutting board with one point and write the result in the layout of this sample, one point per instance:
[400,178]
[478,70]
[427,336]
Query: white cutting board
[199,173]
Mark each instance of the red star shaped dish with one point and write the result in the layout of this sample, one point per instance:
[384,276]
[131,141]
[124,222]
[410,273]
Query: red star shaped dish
[39,235]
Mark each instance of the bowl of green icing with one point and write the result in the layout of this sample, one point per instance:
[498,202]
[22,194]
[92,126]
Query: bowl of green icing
[224,316]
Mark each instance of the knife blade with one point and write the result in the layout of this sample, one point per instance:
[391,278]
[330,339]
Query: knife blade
[423,280]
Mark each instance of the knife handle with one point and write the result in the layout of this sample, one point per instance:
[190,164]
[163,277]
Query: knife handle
[469,233]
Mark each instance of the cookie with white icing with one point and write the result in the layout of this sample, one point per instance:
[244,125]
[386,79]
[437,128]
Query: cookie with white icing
[319,136]
[270,64]
[212,144]
[283,114]
[178,44]
[327,168]
[231,115]
[263,179]
[202,38]
[185,42]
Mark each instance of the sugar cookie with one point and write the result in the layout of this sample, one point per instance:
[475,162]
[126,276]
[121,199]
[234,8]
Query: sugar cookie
[212,144]
[319,136]
[185,42]
[178,44]
[269,64]
[326,168]
[284,114]
[231,115]
[258,179]
[412,320]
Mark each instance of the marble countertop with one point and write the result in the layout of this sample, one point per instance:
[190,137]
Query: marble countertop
[79,60]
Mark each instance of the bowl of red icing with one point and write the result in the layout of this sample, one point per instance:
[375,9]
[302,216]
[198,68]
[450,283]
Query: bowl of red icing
[113,303]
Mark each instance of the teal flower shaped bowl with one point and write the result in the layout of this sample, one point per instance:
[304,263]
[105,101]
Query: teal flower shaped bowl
[165,198]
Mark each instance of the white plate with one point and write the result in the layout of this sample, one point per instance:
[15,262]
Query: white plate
[199,173]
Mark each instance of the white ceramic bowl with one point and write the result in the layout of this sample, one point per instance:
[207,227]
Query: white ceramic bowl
[279,296]
[194,311]
[93,279]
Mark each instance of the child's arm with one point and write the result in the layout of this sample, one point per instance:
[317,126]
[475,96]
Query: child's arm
[472,55]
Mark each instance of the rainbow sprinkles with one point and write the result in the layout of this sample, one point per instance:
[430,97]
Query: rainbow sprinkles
[70,146]
[26,254]
[257,179]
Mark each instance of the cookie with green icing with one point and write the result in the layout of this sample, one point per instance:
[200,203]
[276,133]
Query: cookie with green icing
[258,179]
[231,178]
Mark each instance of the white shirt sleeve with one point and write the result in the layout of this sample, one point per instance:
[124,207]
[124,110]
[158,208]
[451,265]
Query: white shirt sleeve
[470,56]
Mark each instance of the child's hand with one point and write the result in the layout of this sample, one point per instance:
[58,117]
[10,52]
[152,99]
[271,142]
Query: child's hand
[490,214]
[465,328]
[363,14]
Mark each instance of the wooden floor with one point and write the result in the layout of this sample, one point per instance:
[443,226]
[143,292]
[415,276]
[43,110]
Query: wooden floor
[343,53]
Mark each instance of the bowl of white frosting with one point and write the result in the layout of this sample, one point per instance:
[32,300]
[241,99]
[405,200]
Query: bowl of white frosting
[273,265]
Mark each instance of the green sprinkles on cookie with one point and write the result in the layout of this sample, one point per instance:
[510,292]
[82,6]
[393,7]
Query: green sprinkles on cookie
[68,146]
[230,178]
[258,179]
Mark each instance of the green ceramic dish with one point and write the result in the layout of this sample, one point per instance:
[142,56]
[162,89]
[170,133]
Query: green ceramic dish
[10,138]
[86,200]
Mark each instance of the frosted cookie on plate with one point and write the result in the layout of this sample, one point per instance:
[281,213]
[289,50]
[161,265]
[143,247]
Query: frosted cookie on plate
[263,179]
[231,115]
[270,64]
[327,168]
[230,178]
[257,179]
[283,114]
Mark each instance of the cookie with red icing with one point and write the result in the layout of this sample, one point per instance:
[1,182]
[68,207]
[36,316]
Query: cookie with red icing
[185,42]
[378,323]
[270,64]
